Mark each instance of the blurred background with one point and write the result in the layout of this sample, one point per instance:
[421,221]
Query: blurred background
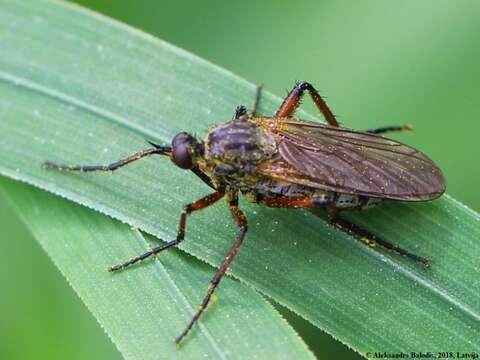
[377,62]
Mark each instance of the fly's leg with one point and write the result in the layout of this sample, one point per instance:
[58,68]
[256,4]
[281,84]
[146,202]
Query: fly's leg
[256,102]
[204,177]
[161,150]
[157,149]
[386,129]
[241,221]
[197,205]
[240,111]
[371,239]
[344,225]
[294,98]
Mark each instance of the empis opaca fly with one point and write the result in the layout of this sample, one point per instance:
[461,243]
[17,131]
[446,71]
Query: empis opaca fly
[280,161]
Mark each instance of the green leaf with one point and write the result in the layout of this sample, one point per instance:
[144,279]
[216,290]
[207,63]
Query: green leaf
[79,88]
[144,310]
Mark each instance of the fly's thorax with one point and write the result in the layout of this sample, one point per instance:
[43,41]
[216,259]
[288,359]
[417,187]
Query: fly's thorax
[235,149]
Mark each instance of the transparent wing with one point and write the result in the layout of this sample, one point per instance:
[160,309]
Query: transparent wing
[349,161]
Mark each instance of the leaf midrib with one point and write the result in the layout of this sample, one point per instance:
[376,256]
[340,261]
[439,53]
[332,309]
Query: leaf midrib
[80,104]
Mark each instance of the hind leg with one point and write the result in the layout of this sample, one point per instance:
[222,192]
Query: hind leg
[294,98]
[386,129]
[369,238]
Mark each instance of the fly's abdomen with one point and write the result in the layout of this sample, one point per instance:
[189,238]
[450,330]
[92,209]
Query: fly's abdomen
[267,188]
[349,201]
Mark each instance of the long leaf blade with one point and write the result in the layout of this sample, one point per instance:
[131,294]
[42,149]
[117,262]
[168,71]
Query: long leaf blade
[143,310]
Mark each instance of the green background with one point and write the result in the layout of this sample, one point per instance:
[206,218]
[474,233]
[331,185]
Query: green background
[377,62]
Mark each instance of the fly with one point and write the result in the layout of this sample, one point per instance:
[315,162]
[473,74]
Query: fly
[280,161]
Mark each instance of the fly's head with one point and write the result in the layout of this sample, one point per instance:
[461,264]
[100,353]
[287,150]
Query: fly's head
[186,151]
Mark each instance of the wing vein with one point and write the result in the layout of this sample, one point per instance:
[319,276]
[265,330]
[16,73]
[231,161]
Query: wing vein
[347,161]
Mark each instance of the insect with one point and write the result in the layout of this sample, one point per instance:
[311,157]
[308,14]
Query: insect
[283,162]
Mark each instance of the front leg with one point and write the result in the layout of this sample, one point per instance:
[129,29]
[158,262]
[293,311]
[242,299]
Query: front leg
[156,149]
[204,177]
